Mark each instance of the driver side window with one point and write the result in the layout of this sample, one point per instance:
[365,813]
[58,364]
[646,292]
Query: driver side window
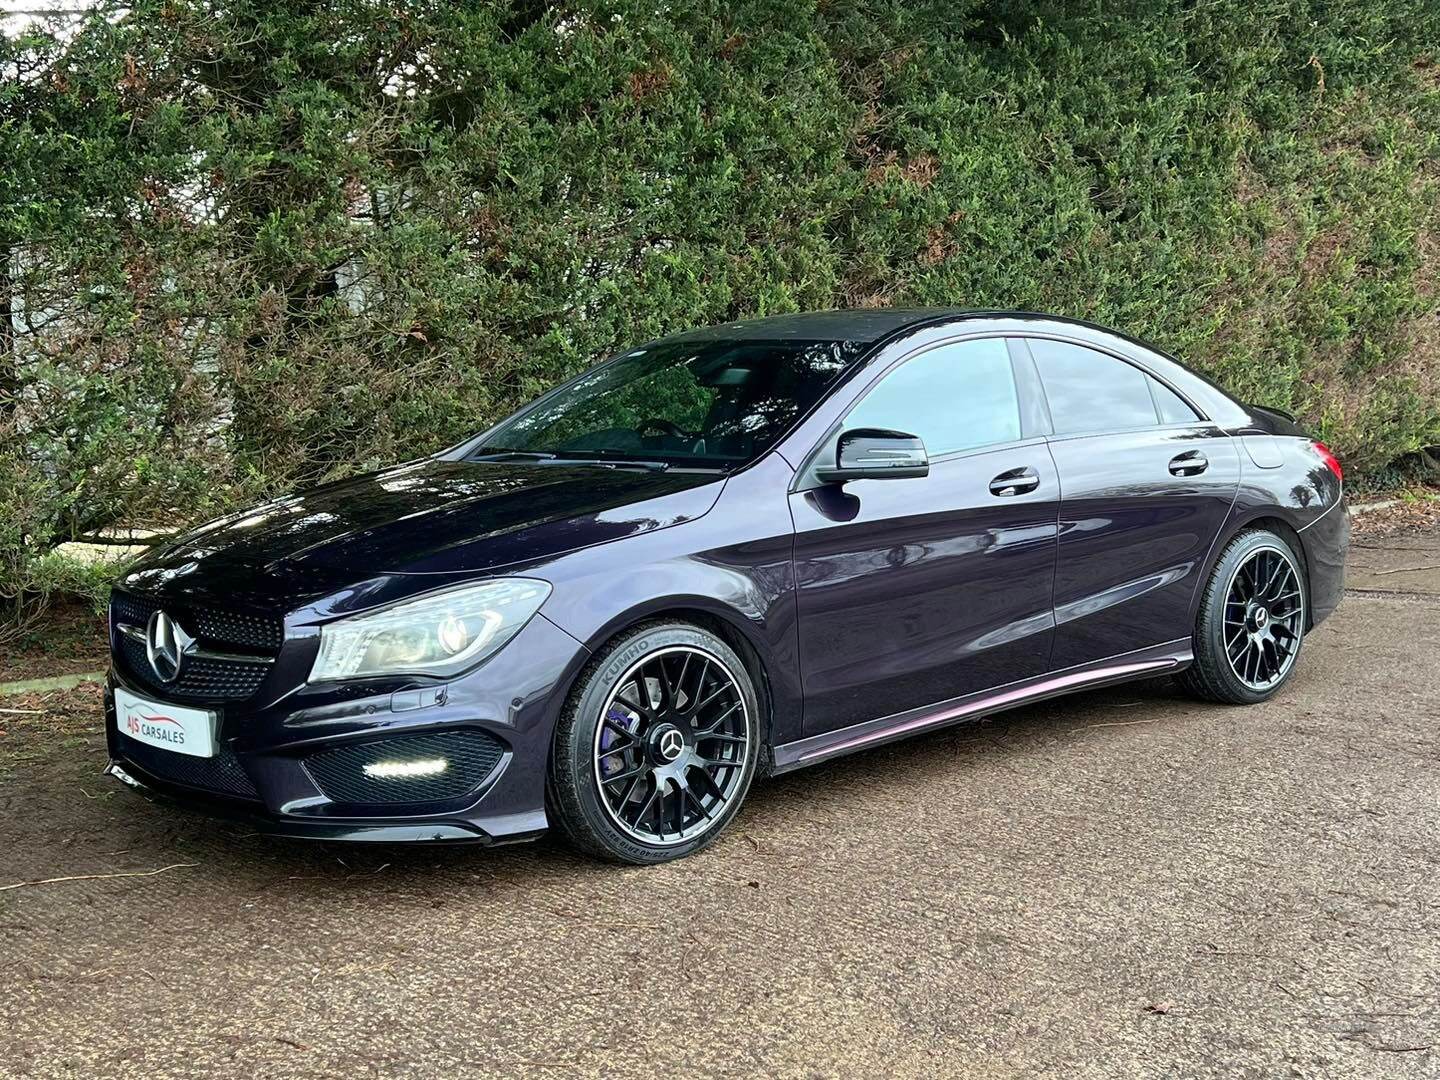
[955,397]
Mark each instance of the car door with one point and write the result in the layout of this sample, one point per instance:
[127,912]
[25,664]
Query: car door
[914,591]
[1146,485]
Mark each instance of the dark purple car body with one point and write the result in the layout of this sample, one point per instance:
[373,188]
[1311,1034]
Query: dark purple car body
[865,611]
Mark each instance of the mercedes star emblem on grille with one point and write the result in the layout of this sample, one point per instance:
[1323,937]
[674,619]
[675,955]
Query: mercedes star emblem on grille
[165,646]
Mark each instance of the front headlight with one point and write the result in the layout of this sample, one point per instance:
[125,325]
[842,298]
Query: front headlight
[438,634]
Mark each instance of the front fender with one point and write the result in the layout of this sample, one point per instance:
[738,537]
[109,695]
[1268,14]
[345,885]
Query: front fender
[733,566]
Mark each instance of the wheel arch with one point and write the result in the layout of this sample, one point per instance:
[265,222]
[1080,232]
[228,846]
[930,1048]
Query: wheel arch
[734,628]
[1260,519]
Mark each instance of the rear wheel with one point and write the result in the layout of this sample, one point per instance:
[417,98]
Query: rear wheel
[657,745]
[1251,623]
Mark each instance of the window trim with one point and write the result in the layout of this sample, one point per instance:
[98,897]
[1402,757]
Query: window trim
[1202,420]
[804,478]
[1030,388]
[1159,413]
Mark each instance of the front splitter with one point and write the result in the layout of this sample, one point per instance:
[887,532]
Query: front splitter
[447,832]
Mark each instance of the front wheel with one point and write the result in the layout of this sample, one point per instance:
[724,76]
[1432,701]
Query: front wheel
[1251,623]
[657,745]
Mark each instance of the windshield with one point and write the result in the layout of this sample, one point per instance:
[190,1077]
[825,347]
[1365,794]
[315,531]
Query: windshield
[713,404]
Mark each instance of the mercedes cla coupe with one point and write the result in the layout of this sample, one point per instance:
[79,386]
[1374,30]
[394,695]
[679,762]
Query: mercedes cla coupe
[729,553]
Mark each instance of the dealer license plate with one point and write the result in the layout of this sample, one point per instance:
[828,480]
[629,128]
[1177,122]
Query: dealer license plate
[170,727]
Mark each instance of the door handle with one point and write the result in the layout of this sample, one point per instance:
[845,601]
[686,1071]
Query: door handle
[1015,481]
[1190,463]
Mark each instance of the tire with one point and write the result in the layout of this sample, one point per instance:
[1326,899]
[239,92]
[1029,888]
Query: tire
[655,690]
[1267,630]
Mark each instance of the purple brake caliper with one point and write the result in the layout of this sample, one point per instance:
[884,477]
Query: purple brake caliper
[613,763]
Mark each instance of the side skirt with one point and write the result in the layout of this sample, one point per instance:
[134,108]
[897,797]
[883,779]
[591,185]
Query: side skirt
[1143,663]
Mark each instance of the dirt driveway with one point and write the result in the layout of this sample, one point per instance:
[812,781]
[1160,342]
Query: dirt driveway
[1124,884]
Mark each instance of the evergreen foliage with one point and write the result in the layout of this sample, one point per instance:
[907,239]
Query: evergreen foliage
[253,246]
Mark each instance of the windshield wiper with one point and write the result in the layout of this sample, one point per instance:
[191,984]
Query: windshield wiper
[496,453]
[499,453]
[619,463]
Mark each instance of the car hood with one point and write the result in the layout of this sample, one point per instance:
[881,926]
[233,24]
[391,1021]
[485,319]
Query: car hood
[433,517]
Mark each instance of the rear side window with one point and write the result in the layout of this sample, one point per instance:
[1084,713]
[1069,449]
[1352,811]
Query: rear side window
[955,397]
[1171,406]
[1089,391]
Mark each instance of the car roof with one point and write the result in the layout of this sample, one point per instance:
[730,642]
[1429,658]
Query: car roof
[867,327]
[861,325]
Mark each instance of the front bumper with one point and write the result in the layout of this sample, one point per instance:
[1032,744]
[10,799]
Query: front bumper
[399,831]
[265,772]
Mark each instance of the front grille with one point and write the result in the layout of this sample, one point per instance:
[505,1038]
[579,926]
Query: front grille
[219,775]
[259,632]
[470,757]
[201,679]
[239,628]
[131,609]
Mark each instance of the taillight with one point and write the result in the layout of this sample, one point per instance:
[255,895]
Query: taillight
[1331,461]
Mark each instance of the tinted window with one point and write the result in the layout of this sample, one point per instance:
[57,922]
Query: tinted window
[1089,391]
[686,402]
[1173,409]
[954,397]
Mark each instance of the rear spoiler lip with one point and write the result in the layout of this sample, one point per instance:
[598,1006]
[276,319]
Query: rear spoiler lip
[1277,421]
[1278,412]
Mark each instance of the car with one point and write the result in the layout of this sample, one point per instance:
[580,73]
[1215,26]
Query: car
[723,555]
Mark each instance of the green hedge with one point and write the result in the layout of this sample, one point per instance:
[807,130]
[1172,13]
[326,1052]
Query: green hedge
[255,246]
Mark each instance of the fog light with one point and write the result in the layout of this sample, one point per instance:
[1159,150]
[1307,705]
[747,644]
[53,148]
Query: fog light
[388,770]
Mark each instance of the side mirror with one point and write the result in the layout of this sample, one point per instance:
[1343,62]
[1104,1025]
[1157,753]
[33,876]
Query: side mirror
[875,454]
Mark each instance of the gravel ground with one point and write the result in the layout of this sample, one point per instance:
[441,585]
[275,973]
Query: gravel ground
[1120,884]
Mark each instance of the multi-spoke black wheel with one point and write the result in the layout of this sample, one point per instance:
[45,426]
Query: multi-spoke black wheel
[657,746]
[1264,617]
[672,745]
[1251,623]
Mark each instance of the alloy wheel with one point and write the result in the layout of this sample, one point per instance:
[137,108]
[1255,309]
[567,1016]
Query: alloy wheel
[673,746]
[1264,617]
